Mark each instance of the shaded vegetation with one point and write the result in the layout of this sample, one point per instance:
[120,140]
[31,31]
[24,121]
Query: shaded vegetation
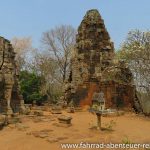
[30,87]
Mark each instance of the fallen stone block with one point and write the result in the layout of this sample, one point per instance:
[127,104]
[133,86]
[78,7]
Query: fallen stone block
[43,135]
[2,121]
[21,127]
[62,138]
[65,119]
[38,113]
[56,110]
[46,130]
[27,111]
[52,140]
[11,126]
[40,134]
[62,125]
[13,120]
[70,110]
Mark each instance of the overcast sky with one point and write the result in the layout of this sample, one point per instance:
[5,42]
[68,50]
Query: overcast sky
[32,17]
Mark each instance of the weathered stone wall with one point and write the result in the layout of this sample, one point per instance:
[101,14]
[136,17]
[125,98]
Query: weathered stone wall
[118,95]
[94,50]
[10,97]
[93,68]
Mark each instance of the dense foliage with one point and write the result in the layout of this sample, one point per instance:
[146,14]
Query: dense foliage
[30,87]
[136,51]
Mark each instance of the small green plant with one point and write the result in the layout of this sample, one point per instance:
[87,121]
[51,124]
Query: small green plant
[109,126]
[126,140]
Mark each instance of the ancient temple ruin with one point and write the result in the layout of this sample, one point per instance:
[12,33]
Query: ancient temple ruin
[94,69]
[11,100]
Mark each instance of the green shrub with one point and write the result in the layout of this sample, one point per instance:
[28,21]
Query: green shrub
[30,87]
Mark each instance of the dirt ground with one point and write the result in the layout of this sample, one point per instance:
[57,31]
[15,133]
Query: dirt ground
[45,133]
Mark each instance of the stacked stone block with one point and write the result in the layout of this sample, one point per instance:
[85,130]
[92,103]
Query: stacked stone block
[93,68]
[11,99]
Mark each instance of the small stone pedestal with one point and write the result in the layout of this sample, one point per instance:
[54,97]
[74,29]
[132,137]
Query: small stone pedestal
[98,116]
[65,120]
[98,120]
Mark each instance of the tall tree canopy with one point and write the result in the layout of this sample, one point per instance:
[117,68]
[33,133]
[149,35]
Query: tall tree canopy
[136,51]
[30,86]
[59,42]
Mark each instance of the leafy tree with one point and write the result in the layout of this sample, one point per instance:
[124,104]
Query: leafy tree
[136,51]
[30,87]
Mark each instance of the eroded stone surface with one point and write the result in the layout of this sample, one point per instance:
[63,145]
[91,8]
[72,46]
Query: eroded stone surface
[93,68]
[11,99]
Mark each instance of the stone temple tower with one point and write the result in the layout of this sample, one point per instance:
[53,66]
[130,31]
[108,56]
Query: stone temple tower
[11,99]
[94,50]
[92,58]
